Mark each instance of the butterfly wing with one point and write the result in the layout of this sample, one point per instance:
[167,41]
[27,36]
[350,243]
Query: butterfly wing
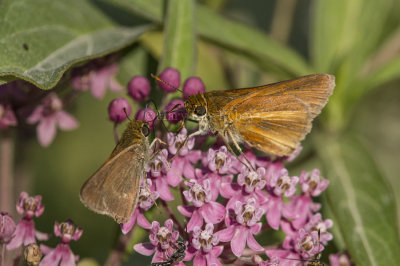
[113,190]
[275,118]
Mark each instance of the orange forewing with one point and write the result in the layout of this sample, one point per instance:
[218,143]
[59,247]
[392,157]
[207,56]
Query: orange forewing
[273,118]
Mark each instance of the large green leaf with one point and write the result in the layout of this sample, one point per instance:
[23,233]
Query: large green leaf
[41,39]
[361,201]
[179,37]
[241,38]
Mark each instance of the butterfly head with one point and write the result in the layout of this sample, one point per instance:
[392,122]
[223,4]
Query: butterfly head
[196,107]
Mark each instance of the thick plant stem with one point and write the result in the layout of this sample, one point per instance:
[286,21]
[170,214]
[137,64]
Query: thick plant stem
[6,172]
[115,257]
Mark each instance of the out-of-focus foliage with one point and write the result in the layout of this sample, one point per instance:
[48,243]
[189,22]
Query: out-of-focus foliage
[227,45]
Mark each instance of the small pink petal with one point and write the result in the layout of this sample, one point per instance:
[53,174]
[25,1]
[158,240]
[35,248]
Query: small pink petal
[255,229]
[144,248]
[163,189]
[174,174]
[186,210]
[68,258]
[213,212]
[126,227]
[51,259]
[36,115]
[41,236]
[216,251]
[253,244]
[18,238]
[199,260]
[225,235]
[66,121]
[46,130]
[212,260]
[239,240]
[45,249]
[195,220]
[142,221]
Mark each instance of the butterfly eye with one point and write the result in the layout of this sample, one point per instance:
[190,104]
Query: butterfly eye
[200,110]
[145,130]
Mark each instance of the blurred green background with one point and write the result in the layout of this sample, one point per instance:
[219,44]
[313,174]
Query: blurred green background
[229,44]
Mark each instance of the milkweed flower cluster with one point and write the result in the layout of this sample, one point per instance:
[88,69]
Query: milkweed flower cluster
[229,207]
[24,234]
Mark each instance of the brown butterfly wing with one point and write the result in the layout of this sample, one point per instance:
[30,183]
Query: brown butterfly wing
[275,118]
[113,190]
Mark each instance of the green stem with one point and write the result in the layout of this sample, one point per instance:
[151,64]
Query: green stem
[6,172]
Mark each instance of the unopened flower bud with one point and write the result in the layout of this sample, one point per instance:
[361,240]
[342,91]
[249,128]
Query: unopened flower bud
[148,115]
[7,227]
[139,88]
[178,112]
[193,86]
[32,254]
[119,109]
[172,77]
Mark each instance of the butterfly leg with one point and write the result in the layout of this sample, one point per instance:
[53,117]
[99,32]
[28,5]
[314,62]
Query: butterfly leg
[249,166]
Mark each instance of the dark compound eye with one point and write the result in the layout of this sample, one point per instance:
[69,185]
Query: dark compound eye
[200,110]
[145,130]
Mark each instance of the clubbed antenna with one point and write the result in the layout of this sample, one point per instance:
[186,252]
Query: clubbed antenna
[166,83]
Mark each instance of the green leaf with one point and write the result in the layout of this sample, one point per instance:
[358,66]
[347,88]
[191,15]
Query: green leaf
[179,38]
[361,201]
[41,39]
[238,37]
[387,73]
[254,43]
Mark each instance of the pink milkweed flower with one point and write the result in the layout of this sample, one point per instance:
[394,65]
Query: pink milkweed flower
[157,169]
[162,242]
[252,180]
[49,115]
[312,183]
[7,116]
[97,80]
[279,182]
[205,207]
[67,231]
[204,247]
[25,232]
[240,230]
[145,202]
[221,161]
[182,165]
[317,224]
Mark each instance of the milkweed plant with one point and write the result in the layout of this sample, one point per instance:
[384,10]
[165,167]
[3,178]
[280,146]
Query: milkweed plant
[222,211]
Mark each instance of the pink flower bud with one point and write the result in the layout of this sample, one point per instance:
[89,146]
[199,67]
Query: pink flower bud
[139,88]
[119,109]
[193,86]
[7,227]
[171,76]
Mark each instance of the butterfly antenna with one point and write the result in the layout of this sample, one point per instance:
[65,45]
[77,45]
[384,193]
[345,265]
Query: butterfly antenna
[126,114]
[159,115]
[166,83]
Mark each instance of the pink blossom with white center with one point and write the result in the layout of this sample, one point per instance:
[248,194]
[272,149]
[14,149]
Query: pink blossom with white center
[280,183]
[25,232]
[339,260]
[251,180]
[220,160]
[312,183]
[181,165]
[175,141]
[205,207]
[162,242]
[316,224]
[307,244]
[49,115]
[205,250]
[145,202]
[240,230]
[67,231]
